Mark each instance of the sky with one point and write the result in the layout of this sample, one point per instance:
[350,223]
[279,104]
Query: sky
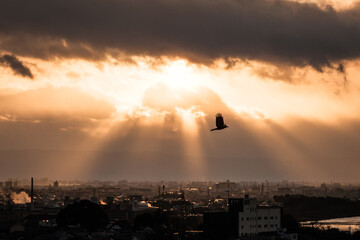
[124,89]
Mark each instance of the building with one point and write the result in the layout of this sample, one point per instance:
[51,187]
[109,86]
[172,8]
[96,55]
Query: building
[255,219]
[8,184]
[225,185]
[244,218]
[217,225]
[67,201]
[56,184]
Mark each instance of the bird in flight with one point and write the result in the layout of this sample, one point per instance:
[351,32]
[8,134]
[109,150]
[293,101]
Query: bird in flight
[219,123]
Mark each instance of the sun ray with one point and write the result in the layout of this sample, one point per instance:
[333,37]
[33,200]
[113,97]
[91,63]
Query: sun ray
[194,157]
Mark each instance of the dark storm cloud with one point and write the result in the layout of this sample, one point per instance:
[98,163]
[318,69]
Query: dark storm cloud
[16,65]
[279,32]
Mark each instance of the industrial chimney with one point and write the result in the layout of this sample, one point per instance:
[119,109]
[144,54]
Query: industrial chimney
[32,193]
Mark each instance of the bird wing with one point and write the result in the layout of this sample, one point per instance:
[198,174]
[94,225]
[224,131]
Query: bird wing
[219,121]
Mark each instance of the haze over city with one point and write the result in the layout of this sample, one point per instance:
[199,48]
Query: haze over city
[120,89]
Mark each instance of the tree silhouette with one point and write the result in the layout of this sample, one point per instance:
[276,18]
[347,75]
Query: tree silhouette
[88,214]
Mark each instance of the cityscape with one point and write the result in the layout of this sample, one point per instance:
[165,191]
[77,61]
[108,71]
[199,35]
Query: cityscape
[51,209]
[179,119]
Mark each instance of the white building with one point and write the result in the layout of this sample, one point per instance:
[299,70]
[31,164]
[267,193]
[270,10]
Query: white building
[255,219]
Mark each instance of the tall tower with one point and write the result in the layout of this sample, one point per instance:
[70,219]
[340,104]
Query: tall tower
[32,191]
[163,196]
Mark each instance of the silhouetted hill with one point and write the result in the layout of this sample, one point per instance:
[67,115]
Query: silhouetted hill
[304,208]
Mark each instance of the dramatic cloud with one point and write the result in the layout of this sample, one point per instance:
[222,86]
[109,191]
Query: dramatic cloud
[279,32]
[52,103]
[167,145]
[16,65]
[163,98]
[311,151]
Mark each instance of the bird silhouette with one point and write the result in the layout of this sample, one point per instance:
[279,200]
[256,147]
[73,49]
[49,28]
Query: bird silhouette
[219,123]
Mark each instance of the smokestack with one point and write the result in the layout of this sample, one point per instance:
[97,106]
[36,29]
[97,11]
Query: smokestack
[163,193]
[32,192]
